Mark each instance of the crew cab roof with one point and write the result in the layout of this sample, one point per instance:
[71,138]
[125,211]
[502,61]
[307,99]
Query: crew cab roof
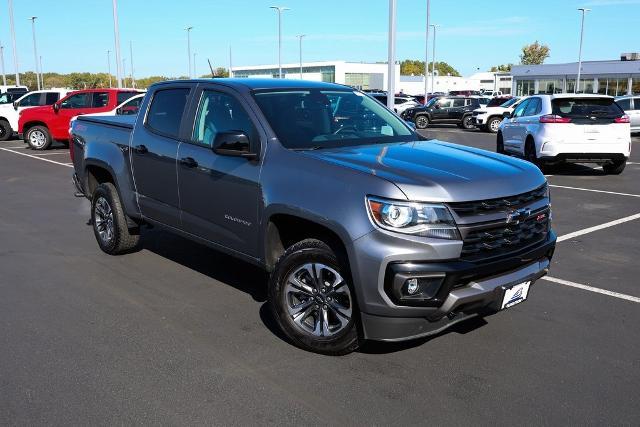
[257,84]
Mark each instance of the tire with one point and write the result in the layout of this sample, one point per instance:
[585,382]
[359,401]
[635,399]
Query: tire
[467,122]
[109,221]
[500,144]
[614,168]
[422,122]
[531,156]
[5,130]
[493,124]
[298,300]
[38,138]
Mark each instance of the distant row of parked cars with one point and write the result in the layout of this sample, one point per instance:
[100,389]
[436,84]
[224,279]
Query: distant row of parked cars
[43,116]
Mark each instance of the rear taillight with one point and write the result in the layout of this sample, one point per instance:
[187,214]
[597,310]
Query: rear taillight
[554,118]
[623,119]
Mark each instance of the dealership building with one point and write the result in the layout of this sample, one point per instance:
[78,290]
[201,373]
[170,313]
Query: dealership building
[368,76]
[613,78]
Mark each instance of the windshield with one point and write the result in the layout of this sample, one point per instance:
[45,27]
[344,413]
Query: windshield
[509,103]
[313,119]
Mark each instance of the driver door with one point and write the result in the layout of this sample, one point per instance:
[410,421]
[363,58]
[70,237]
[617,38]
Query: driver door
[510,129]
[441,109]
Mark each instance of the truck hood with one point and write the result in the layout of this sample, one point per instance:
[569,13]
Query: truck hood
[438,171]
[37,110]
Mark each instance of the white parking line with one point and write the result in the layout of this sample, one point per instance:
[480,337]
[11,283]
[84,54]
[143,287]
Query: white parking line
[594,191]
[598,227]
[69,165]
[592,289]
[52,153]
[633,163]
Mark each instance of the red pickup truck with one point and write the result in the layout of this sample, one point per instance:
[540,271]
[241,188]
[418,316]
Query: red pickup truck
[40,126]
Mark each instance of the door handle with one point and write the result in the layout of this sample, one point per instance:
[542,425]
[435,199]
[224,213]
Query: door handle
[189,162]
[141,149]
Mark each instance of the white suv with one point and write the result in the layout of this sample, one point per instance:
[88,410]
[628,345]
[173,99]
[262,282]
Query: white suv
[489,118]
[9,113]
[553,129]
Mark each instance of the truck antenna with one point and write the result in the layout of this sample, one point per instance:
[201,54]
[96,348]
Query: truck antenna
[211,68]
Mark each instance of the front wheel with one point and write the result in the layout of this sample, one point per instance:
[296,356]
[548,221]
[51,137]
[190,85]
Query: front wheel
[311,298]
[38,138]
[422,122]
[614,168]
[493,125]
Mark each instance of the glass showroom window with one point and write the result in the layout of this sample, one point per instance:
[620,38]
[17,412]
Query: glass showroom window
[550,86]
[613,87]
[635,85]
[525,87]
[586,86]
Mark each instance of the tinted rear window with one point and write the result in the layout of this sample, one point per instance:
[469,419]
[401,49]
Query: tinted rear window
[52,98]
[123,96]
[496,101]
[166,111]
[586,107]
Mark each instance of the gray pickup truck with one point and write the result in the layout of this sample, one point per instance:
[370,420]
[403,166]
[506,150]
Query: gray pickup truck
[369,231]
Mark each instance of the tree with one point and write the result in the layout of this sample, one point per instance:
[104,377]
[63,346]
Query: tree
[533,54]
[415,67]
[501,68]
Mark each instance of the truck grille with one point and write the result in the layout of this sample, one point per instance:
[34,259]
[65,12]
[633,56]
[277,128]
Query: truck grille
[497,205]
[492,240]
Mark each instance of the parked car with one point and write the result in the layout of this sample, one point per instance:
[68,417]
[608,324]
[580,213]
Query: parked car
[9,113]
[449,109]
[40,126]
[126,108]
[8,94]
[488,118]
[553,129]
[631,106]
[491,93]
[367,229]
[498,100]
[401,102]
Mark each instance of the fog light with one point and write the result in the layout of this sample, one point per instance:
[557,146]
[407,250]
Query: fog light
[412,286]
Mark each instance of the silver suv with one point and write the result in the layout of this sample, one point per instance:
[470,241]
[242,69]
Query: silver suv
[631,106]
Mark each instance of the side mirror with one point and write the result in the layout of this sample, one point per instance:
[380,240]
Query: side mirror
[56,107]
[233,143]
[506,115]
[119,111]
[437,107]
[15,105]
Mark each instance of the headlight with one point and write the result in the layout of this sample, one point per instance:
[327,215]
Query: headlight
[420,219]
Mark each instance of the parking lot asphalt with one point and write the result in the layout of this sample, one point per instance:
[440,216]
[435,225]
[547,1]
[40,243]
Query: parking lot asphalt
[178,333]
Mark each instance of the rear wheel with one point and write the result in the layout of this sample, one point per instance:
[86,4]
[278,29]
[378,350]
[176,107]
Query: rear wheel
[109,221]
[493,124]
[5,130]
[312,300]
[614,168]
[422,122]
[38,138]
[530,154]
[467,122]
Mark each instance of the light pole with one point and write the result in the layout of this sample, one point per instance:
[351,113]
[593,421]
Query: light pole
[230,63]
[433,64]
[188,30]
[116,33]
[300,36]
[195,74]
[13,43]
[41,73]
[4,76]
[124,72]
[133,81]
[426,51]
[279,9]
[35,48]
[391,70]
[109,66]
[577,85]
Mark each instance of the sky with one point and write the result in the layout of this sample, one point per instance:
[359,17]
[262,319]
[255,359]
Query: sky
[74,35]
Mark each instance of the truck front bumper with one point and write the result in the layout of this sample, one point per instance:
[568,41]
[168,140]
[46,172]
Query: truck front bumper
[467,289]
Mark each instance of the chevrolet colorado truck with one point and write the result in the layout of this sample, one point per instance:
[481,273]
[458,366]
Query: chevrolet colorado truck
[368,230]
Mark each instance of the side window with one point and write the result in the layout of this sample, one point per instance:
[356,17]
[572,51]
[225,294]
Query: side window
[100,99]
[32,100]
[131,107]
[445,103]
[518,112]
[165,112]
[636,103]
[533,107]
[123,96]
[625,104]
[458,102]
[51,98]
[79,100]
[219,112]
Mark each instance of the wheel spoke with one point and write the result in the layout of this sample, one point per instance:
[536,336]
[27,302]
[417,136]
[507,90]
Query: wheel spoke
[300,285]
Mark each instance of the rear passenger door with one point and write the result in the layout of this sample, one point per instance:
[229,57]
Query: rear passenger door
[220,194]
[153,154]
[634,114]
[457,110]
